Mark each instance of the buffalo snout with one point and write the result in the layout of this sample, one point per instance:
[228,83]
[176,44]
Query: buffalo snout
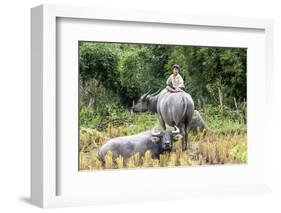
[136,109]
[167,145]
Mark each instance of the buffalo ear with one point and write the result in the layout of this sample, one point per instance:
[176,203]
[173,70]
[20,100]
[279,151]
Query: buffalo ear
[155,139]
[177,137]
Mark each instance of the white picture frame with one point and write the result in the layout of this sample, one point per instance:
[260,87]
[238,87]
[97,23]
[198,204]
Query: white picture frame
[45,178]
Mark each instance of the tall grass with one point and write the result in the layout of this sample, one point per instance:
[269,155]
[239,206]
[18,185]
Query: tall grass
[226,143]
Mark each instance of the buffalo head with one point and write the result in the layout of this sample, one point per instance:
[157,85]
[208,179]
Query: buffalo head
[165,138]
[142,104]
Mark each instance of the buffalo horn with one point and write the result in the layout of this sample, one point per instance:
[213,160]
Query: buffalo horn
[156,92]
[176,131]
[146,94]
[155,133]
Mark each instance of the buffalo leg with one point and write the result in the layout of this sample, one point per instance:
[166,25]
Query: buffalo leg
[162,123]
[187,127]
[185,138]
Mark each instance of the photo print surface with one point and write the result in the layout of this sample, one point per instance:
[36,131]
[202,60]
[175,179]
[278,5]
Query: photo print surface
[151,105]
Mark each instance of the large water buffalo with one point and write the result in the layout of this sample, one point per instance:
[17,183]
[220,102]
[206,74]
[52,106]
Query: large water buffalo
[174,109]
[155,141]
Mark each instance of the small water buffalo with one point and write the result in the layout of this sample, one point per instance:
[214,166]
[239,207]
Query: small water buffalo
[197,122]
[127,146]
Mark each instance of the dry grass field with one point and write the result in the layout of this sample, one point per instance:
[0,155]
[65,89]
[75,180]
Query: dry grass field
[206,148]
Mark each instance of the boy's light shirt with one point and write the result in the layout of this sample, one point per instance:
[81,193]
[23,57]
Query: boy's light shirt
[176,81]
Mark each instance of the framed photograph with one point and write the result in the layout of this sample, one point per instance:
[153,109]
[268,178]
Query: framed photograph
[131,106]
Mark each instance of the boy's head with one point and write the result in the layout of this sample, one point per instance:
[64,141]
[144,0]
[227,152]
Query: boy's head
[175,69]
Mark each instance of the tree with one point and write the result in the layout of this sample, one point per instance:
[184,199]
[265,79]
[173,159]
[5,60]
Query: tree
[217,68]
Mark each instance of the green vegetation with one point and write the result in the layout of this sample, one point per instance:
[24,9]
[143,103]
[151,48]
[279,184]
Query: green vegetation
[117,74]
[113,76]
